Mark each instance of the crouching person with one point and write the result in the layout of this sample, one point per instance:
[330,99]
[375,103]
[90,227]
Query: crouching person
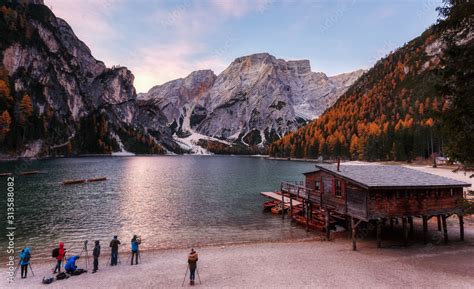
[71,266]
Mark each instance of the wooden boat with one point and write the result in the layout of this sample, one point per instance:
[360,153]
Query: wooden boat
[270,204]
[31,173]
[99,179]
[278,209]
[311,224]
[5,174]
[73,182]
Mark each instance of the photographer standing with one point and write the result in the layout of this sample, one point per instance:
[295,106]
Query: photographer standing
[114,245]
[134,244]
[96,254]
[192,263]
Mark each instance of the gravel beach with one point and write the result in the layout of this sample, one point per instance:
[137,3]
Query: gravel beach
[303,264]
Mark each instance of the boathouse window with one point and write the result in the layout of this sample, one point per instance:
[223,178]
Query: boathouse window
[337,188]
[317,186]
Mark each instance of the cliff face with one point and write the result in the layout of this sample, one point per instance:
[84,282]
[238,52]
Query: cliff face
[257,99]
[59,98]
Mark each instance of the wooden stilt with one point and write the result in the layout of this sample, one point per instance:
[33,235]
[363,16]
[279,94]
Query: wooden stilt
[445,229]
[425,229]
[282,205]
[396,221]
[405,231]
[461,226]
[379,234]
[328,232]
[349,228]
[353,229]
[307,217]
[439,222]
[291,206]
[391,224]
[410,222]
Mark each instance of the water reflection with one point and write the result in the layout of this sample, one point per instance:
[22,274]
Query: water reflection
[172,201]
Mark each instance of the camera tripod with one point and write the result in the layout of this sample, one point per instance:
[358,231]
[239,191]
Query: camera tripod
[185,274]
[84,250]
[16,269]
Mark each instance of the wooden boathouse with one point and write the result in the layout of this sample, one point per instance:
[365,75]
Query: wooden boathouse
[376,194]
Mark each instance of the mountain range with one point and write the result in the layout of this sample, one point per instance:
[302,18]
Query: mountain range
[254,101]
[57,99]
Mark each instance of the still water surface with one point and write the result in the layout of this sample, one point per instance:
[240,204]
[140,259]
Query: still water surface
[171,201]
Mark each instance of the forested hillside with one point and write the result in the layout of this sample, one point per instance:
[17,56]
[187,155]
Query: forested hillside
[393,112]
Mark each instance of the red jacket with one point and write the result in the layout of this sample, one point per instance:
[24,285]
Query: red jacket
[62,251]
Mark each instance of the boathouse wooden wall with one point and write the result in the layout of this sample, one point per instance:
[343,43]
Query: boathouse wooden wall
[352,200]
[367,204]
[414,202]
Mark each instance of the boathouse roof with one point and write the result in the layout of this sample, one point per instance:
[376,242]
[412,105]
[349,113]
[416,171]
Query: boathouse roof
[389,176]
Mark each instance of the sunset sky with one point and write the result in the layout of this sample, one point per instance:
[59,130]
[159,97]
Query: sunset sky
[164,40]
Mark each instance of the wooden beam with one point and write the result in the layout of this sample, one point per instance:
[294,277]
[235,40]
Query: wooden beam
[425,229]
[439,222]
[326,220]
[379,234]
[349,228]
[291,207]
[307,216]
[405,231]
[461,226]
[353,229]
[445,229]
[283,205]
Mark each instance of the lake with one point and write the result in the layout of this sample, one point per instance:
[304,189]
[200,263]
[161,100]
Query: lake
[171,201]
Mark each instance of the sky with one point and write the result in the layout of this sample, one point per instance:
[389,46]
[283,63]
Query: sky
[163,40]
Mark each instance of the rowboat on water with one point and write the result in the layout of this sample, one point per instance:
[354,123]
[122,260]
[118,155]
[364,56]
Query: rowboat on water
[73,182]
[278,209]
[31,173]
[99,179]
[270,204]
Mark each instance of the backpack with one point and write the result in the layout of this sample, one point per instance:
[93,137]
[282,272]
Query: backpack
[55,252]
[62,276]
[26,259]
[48,280]
[78,272]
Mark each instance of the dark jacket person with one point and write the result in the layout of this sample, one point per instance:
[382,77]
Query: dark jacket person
[96,254]
[114,244]
[192,263]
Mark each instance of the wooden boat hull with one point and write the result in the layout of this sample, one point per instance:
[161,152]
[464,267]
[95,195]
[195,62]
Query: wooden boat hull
[74,182]
[97,179]
[270,204]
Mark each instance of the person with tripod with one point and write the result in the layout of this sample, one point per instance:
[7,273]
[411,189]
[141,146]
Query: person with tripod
[192,263]
[114,244]
[96,254]
[25,257]
[134,244]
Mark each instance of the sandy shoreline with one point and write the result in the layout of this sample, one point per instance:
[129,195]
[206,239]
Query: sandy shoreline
[303,264]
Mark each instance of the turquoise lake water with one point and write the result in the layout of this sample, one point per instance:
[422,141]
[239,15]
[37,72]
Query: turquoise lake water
[171,201]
